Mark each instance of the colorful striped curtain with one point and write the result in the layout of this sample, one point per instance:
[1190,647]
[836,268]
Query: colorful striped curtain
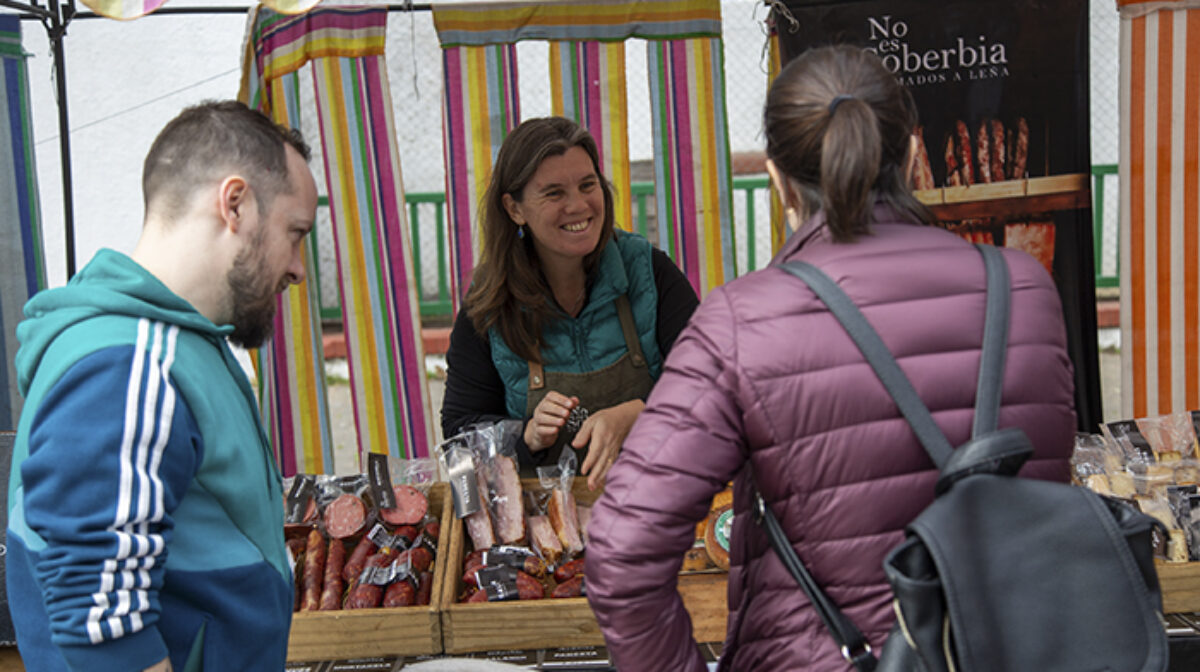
[693,179]
[345,47]
[587,84]
[1160,207]
[774,66]
[21,256]
[479,108]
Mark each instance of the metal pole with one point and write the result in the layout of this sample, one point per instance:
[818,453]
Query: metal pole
[59,18]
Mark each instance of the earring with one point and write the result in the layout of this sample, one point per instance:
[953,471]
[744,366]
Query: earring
[792,217]
[520,231]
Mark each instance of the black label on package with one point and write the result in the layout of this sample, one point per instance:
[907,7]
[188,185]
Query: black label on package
[464,486]
[1127,434]
[304,488]
[376,576]
[381,538]
[381,481]
[500,583]
[399,569]
[425,541]
[507,556]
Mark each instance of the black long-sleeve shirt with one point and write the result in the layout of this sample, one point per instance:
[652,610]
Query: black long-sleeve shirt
[474,390]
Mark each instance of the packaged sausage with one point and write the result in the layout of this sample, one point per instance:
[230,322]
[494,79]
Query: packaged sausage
[486,454]
[1129,438]
[1171,436]
[370,588]
[400,488]
[343,506]
[560,505]
[299,504]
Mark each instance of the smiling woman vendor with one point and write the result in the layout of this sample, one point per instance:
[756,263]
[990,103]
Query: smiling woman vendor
[567,321]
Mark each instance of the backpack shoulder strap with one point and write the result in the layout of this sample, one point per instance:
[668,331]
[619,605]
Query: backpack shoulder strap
[991,373]
[995,342]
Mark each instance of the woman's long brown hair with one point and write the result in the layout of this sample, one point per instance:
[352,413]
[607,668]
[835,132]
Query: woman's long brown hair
[508,289]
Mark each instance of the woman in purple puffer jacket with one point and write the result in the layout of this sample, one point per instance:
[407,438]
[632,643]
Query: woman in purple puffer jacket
[765,379]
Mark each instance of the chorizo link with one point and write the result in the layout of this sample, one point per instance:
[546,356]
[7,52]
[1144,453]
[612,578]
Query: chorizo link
[358,559]
[998,158]
[1021,152]
[314,571]
[963,143]
[331,593]
[983,153]
[953,177]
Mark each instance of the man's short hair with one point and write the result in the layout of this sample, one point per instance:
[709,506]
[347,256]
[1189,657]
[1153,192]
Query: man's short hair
[210,141]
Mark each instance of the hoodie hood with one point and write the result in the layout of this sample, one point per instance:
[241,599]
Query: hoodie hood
[111,283]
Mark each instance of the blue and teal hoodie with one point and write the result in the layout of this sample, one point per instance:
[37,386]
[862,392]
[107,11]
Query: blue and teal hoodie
[145,512]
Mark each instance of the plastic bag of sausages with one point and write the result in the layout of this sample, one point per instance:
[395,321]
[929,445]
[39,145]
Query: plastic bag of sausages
[343,505]
[399,489]
[557,504]
[496,453]
[482,466]
[392,574]
[299,504]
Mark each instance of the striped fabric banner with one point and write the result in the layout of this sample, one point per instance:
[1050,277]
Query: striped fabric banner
[291,368]
[694,183]
[291,6]
[374,254]
[479,108]
[587,84]
[481,23]
[1160,210]
[1135,8]
[692,158]
[21,250]
[774,66]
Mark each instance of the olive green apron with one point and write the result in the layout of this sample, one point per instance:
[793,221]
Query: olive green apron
[626,379]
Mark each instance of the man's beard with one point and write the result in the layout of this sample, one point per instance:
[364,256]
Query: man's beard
[253,297]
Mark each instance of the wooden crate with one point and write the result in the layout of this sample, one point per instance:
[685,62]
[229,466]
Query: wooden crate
[1180,585]
[549,623]
[365,633]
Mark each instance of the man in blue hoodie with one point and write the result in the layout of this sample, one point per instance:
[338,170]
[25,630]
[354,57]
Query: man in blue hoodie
[145,508]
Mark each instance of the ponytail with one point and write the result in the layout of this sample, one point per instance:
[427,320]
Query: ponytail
[839,126]
[851,150]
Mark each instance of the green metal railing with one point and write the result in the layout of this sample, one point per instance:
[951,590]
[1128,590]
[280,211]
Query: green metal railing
[1098,174]
[438,304]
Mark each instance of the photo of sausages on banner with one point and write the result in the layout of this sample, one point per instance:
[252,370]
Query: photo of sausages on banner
[1001,89]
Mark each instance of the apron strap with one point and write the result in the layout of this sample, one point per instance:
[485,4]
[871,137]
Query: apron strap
[537,375]
[629,329]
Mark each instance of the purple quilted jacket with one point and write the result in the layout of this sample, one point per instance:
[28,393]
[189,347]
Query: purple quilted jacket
[765,377]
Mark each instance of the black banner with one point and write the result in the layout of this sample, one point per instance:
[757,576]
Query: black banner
[1001,88]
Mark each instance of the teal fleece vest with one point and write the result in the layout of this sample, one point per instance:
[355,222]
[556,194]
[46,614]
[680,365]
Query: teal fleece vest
[593,339]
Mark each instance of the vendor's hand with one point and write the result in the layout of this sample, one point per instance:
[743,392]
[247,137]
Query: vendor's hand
[548,418]
[603,433]
[163,665]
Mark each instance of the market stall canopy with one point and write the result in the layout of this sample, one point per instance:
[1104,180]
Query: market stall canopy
[132,9]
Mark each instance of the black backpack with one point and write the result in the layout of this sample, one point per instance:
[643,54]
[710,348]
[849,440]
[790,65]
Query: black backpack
[999,573]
